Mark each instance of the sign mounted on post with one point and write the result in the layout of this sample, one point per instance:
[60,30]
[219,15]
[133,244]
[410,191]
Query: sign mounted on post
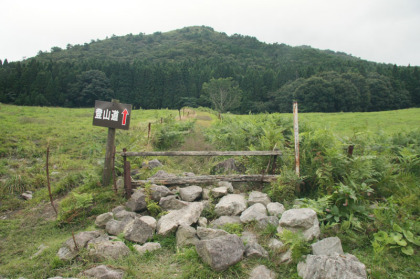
[112,115]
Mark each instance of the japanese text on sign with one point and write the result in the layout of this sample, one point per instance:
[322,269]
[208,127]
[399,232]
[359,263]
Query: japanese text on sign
[112,115]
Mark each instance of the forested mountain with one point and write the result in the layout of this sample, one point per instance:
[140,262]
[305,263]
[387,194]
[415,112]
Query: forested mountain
[168,70]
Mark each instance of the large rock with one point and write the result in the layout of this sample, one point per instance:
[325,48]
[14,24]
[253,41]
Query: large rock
[138,231]
[276,245]
[255,250]
[186,235]
[228,166]
[223,220]
[232,204]
[219,192]
[331,267]
[190,193]
[115,227]
[262,272]
[249,237]
[172,203]
[258,197]
[159,192]
[102,219]
[137,201]
[327,246]
[256,212]
[109,250]
[185,216]
[124,215]
[275,208]
[221,252]
[301,219]
[147,247]
[150,221]
[208,233]
[104,272]
[70,248]
[226,184]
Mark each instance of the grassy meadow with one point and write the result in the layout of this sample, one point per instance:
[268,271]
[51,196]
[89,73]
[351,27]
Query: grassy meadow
[379,183]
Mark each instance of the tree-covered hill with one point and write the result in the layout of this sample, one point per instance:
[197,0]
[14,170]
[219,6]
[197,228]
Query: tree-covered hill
[168,70]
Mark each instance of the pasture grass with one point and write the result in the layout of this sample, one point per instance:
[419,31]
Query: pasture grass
[77,150]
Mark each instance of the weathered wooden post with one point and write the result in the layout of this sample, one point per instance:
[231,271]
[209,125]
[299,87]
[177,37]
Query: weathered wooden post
[113,115]
[296,132]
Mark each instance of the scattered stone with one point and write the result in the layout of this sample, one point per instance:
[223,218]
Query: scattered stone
[275,244]
[301,219]
[327,246]
[232,204]
[219,192]
[104,272]
[185,216]
[226,184]
[272,220]
[223,220]
[186,235]
[149,220]
[163,174]
[109,250]
[286,257]
[255,212]
[152,164]
[208,233]
[102,219]
[172,203]
[137,202]
[262,272]
[275,208]
[159,192]
[190,193]
[258,197]
[115,227]
[248,237]
[254,250]
[202,222]
[206,194]
[27,195]
[138,231]
[124,215]
[331,267]
[118,209]
[147,247]
[221,252]
[69,251]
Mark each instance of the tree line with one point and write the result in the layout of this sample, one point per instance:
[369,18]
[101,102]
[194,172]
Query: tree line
[268,78]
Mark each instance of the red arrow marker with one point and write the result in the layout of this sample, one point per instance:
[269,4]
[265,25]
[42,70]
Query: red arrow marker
[125,113]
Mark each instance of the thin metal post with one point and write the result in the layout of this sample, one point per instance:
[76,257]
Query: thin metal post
[296,132]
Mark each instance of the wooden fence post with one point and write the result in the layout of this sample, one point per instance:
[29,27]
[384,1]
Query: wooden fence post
[296,132]
[110,143]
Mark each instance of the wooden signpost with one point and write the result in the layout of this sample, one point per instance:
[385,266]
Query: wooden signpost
[113,115]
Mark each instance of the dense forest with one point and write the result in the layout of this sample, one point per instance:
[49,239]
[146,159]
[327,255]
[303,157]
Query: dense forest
[168,70]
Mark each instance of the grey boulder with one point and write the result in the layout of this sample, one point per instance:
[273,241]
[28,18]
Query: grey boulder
[327,246]
[190,193]
[331,267]
[232,204]
[258,197]
[138,231]
[137,201]
[221,252]
[104,272]
[262,272]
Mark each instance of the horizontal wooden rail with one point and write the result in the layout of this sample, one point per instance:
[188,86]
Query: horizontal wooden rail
[202,179]
[202,153]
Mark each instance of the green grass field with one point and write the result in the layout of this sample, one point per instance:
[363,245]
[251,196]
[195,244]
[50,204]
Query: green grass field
[77,154]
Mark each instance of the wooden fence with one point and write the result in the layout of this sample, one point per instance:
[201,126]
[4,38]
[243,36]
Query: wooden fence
[200,179]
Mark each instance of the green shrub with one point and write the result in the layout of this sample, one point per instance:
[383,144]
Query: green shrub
[74,206]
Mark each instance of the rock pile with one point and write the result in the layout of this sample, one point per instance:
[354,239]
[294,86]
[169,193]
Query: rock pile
[215,246]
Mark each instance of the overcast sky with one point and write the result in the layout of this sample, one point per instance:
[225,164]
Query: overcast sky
[385,31]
